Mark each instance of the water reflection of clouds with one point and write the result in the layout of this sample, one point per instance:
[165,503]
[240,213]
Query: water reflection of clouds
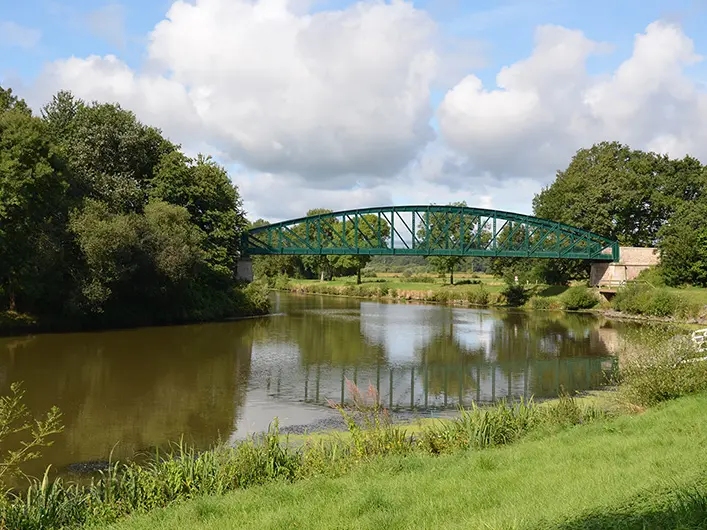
[400,329]
[473,329]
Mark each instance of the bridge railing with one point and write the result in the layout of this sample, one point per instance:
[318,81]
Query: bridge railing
[430,230]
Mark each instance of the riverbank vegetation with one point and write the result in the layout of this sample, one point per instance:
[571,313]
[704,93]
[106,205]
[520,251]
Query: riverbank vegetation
[483,290]
[104,222]
[639,442]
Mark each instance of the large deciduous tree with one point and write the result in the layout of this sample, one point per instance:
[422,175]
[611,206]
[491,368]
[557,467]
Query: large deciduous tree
[103,219]
[619,192]
[32,210]
[683,246]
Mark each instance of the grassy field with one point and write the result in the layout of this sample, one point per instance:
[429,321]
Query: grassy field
[642,471]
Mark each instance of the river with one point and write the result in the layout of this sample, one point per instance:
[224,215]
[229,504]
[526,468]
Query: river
[129,391]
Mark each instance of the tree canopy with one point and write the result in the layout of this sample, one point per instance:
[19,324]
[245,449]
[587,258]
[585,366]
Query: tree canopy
[104,220]
[635,197]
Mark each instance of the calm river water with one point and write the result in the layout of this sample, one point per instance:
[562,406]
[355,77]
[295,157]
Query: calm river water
[130,391]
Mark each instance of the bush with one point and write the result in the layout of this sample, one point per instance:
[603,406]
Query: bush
[579,297]
[257,298]
[281,282]
[478,297]
[515,294]
[367,273]
[539,303]
[641,299]
[655,369]
[468,282]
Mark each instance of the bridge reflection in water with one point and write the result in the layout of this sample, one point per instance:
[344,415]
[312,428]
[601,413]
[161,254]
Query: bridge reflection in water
[429,357]
[439,387]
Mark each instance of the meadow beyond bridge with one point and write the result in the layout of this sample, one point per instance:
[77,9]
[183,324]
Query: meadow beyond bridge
[428,231]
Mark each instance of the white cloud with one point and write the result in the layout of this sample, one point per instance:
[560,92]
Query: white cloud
[338,92]
[278,197]
[13,34]
[108,22]
[548,106]
[332,108]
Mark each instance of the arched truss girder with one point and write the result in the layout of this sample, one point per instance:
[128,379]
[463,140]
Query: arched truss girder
[428,231]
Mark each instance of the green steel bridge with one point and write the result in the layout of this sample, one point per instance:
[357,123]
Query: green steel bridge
[428,231]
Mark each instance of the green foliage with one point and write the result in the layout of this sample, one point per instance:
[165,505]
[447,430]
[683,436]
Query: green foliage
[505,423]
[579,297]
[468,282]
[683,246]
[620,193]
[448,234]
[540,303]
[515,294]
[641,299]
[638,198]
[656,369]
[21,436]
[104,222]
[652,276]
[478,296]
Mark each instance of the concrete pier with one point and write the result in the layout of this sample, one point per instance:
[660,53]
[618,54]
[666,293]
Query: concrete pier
[632,261]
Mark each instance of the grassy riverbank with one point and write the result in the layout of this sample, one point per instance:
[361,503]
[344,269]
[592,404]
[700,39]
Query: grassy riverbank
[645,471]
[567,463]
[642,301]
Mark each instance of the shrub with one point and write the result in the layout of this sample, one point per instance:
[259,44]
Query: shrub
[515,294]
[539,303]
[367,273]
[641,299]
[655,369]
[281,282]
[468,282]
[478,297]
[579,297]
[257,298]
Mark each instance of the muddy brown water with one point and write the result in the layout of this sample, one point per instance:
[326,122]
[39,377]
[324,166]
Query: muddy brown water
[130,391]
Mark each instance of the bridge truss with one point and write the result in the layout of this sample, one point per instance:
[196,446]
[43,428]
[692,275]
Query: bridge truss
[428,231]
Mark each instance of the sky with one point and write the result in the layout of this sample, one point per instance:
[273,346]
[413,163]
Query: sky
[343,104]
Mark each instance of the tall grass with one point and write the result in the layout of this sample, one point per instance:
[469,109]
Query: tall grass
[183,473]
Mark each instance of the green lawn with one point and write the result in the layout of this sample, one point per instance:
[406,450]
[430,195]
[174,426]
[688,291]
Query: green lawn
[696,295]
[619,473]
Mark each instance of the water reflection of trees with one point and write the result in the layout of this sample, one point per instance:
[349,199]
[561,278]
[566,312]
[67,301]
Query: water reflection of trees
[135,388]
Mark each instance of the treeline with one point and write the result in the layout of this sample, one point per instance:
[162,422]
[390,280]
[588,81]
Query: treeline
[104,221]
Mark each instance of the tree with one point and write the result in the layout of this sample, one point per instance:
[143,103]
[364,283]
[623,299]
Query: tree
[113,157]
[33,212]
[620,193]
[103,221]
[368,231]
[683,246]
[444,230]
[319,265]
[205,190]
